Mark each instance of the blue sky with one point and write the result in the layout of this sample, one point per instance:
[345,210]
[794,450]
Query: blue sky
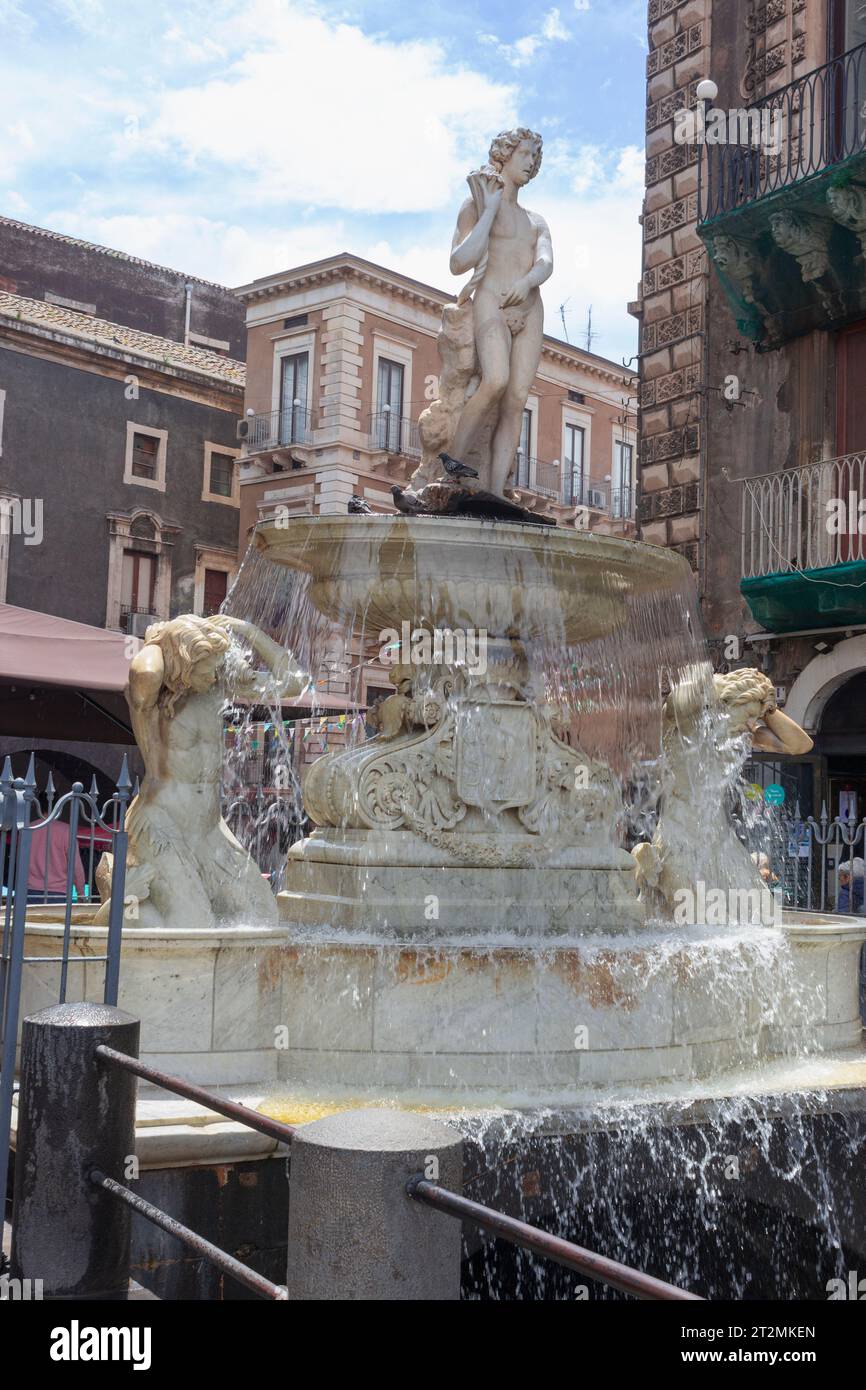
[235,138]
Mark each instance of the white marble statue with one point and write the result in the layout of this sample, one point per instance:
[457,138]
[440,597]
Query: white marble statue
[185,867]
[710,725]
[491,340]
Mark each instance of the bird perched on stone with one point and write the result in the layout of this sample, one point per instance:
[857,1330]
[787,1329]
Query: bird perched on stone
[406,502]
[358,506]
[455,469]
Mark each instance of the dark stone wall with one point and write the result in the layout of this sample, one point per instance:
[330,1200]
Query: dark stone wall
[64,440]
[120,288]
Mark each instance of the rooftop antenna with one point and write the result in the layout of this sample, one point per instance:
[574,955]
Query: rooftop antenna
[562,308]
[590,336]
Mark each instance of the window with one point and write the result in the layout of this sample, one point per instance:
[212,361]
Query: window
[144,465]
[222,468]
[145,456]
[215,589]
[623,460]
[389,415]
[572,478]
[137,585]
[524,451]
[221,481]
[294,381]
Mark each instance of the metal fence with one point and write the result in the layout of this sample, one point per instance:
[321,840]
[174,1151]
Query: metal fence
[37,836]
[810,125]
[805,518]
[805,856]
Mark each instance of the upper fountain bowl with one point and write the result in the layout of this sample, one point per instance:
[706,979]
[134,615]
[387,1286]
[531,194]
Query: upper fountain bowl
[524,581]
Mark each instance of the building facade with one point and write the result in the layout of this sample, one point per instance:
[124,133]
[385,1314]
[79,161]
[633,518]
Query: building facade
[752,314]
[119,483]
[343,358]
[118,476]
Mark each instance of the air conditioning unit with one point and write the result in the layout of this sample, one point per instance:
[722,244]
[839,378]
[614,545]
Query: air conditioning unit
[243,429]
[597,497]
[140,622]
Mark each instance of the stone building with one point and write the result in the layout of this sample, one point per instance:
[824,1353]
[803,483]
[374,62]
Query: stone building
[752,310]
[119,405]
[123,439]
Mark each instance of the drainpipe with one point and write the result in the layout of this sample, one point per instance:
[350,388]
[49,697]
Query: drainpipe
[187,312]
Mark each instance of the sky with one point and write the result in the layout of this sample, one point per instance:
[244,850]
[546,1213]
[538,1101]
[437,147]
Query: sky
[233,139]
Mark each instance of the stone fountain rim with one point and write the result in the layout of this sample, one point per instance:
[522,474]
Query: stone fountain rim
[468,531]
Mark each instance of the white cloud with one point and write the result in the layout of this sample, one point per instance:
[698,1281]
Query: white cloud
[520,52]
[553,27]
[326,114]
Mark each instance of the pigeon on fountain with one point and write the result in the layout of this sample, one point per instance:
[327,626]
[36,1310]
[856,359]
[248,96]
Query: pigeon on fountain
[358,507]
[406,502]
[455,469]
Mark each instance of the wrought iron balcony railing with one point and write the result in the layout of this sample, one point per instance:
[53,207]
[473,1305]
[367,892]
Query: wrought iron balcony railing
[812,124]
[276,429]
[622,503]
[535,475]
[804,519]
[395,434]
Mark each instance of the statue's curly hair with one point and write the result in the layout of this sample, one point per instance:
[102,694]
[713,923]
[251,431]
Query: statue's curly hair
[745,686]
[506,142]
[183,642]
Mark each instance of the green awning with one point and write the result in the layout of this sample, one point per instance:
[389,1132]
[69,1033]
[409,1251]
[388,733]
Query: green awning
[828,597]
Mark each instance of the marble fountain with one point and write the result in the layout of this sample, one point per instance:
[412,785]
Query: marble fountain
[465,927]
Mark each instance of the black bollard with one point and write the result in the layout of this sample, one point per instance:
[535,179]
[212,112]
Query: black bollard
[75,1114]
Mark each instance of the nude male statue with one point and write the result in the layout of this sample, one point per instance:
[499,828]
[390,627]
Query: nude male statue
[510,251]
[185,868]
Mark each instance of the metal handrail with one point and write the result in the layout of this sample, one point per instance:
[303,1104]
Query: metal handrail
[820,123]
[232,1110]
[561,1252]
[227,1263]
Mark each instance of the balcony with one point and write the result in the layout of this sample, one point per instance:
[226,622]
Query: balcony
[135,621]
[546,480]
[394,434]
[781,207]
[275,430]
[803,558]
[534,475]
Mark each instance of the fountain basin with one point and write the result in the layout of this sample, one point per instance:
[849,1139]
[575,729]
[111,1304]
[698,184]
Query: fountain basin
[464,574]
[498,1023]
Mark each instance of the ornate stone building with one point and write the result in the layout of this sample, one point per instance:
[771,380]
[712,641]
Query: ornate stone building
[752,310]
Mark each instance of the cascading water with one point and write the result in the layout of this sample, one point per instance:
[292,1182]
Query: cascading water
[463,930]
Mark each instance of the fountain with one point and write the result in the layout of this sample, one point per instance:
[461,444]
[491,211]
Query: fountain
[465,928]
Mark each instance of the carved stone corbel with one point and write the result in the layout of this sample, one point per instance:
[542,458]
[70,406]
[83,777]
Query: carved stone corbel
[848,206]
[806,238]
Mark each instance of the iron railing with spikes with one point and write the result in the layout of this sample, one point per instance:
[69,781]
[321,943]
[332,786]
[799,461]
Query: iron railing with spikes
[29,826]
[802,857]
